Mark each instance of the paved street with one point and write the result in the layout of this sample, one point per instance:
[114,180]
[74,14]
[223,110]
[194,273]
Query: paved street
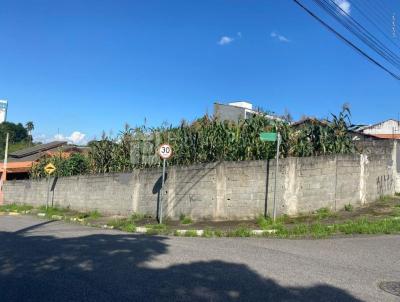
[54,261]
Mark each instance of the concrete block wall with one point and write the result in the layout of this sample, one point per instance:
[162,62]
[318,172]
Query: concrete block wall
[223,190]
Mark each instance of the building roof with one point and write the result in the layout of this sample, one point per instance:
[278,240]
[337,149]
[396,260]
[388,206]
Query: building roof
[22,160]
[386,136]
[37,149]
[310,120]
[380,123]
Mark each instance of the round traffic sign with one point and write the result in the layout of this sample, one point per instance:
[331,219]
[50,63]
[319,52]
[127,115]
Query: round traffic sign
[165,151]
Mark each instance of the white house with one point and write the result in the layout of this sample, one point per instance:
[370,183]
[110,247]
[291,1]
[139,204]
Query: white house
[387,129]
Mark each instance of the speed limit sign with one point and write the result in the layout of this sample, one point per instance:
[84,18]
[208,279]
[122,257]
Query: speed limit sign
[165,151]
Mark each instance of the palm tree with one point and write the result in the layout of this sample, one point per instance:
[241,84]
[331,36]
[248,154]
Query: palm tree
[29,126]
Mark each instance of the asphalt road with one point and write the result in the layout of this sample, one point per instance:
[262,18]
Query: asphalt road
[54,261]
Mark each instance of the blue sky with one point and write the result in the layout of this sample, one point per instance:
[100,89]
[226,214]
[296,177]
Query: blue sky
[88,66]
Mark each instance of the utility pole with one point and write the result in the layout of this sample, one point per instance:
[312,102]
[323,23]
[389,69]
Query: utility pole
[4,176]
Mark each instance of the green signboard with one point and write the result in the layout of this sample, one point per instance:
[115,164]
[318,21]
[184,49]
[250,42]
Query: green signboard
[268,136]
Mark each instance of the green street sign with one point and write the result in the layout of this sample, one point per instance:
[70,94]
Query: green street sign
[268,136]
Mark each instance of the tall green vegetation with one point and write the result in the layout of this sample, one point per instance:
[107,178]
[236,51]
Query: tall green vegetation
[319,137]
[209,140]
[76,164]
[112,155]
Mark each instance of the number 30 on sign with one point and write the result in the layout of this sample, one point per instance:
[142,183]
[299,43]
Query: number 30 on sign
[165,151]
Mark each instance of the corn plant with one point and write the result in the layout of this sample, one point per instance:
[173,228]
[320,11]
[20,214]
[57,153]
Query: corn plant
[207,140]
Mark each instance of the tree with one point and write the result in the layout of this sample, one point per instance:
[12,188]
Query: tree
[18,136]
[29,126]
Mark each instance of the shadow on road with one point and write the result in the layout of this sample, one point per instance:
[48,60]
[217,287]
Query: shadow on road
[113,268]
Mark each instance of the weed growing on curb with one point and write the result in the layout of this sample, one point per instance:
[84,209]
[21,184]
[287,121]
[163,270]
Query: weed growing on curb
[348,207]
[51,211]
[18,208]
[323,213]
[240,232]
[190,233]
[126,225]
[208,233]
[94,214]
[385,199]
[137,216]
[185,220]
[263,222]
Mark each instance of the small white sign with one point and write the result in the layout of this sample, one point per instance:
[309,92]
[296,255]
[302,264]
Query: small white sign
[165,151]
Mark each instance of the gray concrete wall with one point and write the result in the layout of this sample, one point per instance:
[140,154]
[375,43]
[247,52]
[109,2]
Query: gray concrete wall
[224,190]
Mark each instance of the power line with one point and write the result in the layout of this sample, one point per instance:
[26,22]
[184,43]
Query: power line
[376,25]
[384,19]
[359,31]
[341,37]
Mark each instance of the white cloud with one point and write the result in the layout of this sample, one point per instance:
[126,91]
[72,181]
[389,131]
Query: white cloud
[279,37]
[344,5]
[225,40]
[76,138]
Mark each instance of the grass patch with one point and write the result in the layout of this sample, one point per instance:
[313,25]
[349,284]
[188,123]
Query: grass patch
[153,232]
[240,232]
[185,220]
[323,213]
[124,224]
[94,214]
[190,233]
[359,226]
[218,233]
[208,233]
[137,216]
[263,222]
[91,215]
[50,211]
[157,226]
[385,199]
[15,208]
[364,226]
[397,194]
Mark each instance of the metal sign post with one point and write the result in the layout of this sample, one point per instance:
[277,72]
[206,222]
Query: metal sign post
[48,191]
[278,144]
[49,169]
[273,137]
[165,152]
